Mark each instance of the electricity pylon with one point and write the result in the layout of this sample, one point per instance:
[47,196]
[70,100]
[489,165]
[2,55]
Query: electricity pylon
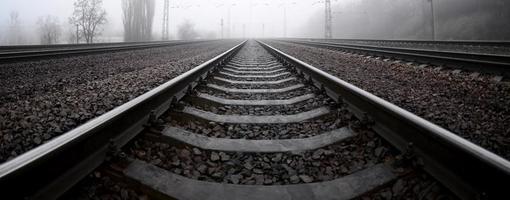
[328,21]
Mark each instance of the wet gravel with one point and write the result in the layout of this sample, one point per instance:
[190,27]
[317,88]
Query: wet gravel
[474,107]
[43,99]
[417,185]
[264,168]
[100,186]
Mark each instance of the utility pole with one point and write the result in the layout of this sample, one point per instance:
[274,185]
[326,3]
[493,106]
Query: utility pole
[432,20]
[234,34]
[77,34]
[229,21]
[263,30]
[222,37]
[328,21]
[244,30]
[284,20]
[250,24]
[166,15]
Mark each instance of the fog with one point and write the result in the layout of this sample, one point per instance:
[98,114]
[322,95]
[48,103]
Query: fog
[411,19]
[376,19]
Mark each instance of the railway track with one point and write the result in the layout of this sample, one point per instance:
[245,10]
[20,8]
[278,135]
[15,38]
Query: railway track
[30,52]
[14,48]
[459,43]
[497,64]
[255,123]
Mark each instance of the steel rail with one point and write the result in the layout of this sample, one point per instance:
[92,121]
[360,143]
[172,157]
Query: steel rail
[467,169]
[52,168]
[52,53]
[486,63]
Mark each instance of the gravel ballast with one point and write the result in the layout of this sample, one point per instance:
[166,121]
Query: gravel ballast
[474,107]
[417,185]
[43,99]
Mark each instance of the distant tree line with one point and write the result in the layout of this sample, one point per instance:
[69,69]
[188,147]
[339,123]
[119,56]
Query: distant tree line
[49,29]
[86,22]
[13,34]
[85,25]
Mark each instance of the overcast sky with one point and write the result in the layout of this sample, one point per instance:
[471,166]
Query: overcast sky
[205,14]
[471,19]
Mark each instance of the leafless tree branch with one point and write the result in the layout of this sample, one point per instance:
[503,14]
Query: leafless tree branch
[88,16]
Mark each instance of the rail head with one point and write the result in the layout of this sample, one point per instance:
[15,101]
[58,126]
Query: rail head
[467,169]
[50,169]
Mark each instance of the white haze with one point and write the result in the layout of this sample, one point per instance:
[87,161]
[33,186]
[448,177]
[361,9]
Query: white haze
[378,19]
[261,18]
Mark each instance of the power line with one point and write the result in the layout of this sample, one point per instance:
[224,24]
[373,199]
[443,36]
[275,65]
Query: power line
[284,21]
[229,21]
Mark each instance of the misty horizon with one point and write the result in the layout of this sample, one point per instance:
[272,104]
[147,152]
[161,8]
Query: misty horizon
[357,19]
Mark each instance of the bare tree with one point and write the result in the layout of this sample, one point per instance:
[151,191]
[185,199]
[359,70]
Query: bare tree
[49,29]
[186,31]
[88,16]
[138,18]
[15,34]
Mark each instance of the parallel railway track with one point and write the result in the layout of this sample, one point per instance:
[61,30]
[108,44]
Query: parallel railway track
[14,48]
[254,103]
[497,64]
[472,43]
[31,52]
